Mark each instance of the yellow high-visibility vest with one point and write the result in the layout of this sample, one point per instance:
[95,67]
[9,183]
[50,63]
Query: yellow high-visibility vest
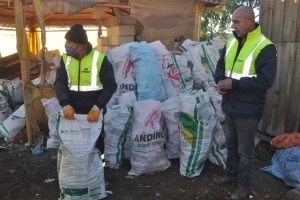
[90,67]
[244,66]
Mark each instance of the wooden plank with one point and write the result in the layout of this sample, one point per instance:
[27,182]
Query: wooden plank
[286,98]
[197,22]
[282,26]
[215,9]
[289,21]
[298,21]
[115,6]
[200,6]
[8,59]
[277,22]
[282,94]
[290,111]
[265,16]
[293,194]
[293,112]
[23,55]
[272,100]
[297,63]
[271,103]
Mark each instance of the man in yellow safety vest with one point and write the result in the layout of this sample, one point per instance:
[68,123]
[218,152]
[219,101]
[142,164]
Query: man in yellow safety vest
[245,70]
[85,80]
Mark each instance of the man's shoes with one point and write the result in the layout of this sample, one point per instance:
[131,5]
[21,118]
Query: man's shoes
[240,193]
[224,179]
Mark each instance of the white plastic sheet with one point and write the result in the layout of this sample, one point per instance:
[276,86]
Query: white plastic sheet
[52,107]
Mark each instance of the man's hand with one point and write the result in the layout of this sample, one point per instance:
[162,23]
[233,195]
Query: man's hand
[220,91]
[93,115]
[224,85]
[69,112]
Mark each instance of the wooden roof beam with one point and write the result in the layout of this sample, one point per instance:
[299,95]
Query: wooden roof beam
[113,6]
[215,9]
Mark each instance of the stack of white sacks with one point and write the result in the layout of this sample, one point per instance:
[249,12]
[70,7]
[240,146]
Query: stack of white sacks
[165,107]
[12,111]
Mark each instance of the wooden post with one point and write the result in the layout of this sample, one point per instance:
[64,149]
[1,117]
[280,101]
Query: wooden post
[40,20]
[197,25]
[22,47]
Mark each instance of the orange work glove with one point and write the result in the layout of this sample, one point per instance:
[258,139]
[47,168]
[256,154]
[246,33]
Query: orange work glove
[296,139]
[69,112]
[285,140]
[93,115]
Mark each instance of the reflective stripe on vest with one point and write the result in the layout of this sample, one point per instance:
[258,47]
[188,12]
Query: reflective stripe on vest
[94,76]
[247,63]
[85,88]
[230,46]
[67,66]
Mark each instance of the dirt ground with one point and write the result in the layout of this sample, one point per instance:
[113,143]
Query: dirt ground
[25,176]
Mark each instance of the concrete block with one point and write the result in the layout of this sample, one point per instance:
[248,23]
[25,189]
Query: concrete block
[116,40]
[117,21]
[121,30]
[104,48]
[102,41]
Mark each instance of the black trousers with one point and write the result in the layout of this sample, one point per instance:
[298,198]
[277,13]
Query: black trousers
[100,140]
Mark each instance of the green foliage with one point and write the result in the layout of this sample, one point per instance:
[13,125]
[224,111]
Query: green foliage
[214,23]
[250,3]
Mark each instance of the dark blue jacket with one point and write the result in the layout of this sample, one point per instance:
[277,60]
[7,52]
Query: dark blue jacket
[246,99]
[82,102]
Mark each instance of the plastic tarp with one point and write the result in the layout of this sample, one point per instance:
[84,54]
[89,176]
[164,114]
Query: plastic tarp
[286,166]
[68,7]
[168,19]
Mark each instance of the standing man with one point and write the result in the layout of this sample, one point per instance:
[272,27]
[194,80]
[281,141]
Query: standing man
[245,70]
[85,81]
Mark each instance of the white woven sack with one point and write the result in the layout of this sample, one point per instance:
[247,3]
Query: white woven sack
[127,147]
[218,150]
[123,70]
[117,120]
[11,126]
[197,120]
[181,62]
[171,77]
[148,154]
[128,99]
[199,75]
[52,107]
[15,90]
[170,112]
[5,110]
[216,99]
[80,169]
